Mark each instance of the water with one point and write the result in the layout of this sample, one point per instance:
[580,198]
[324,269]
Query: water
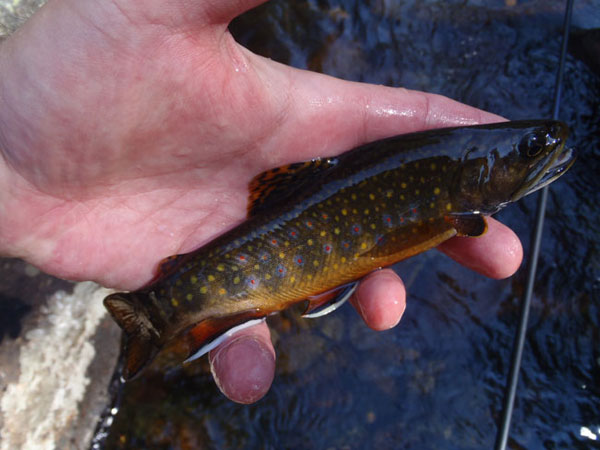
[437,380]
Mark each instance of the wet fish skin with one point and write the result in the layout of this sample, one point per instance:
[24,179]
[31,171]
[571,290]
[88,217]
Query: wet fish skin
[317,225]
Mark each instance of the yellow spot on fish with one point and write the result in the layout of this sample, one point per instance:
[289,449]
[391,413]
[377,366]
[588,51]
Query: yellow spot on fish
[373,226]
[432,205]
[432,166]
[436,191]
[343,259]
[355,211]
[449,206]
[372,196]
[367,211]
[389,193]
[403,185]
[353,196]
[310,242]
[363,246]
[189,297]
[417,192]
[282,255]
[336,230]
[256,267]
[234,268]
[267,276]
[174,302]
[222,291]
[236,280]
[323,233]
[344,212]
[308,276]
[220,267]
[336,266]
[402,197]
[193,279]
[292,279]
[356,255]
[316,263]
[203,290]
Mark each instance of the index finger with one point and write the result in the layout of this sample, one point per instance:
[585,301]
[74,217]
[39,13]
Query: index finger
[496,254]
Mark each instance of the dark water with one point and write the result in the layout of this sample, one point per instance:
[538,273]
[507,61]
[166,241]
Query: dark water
[437,380]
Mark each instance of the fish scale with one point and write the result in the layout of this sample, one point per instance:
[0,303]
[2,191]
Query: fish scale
[318,225]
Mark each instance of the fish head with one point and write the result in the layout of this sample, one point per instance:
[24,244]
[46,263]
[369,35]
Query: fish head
[513,160]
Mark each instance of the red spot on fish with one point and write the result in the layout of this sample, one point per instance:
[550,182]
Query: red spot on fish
[274,241]
[281,270]
[327,248]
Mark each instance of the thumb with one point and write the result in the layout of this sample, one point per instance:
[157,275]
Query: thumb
[321,115]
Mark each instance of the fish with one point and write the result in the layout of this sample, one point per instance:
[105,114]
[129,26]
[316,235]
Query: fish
[315,228]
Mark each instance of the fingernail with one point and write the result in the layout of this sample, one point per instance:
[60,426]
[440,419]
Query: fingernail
[243,369]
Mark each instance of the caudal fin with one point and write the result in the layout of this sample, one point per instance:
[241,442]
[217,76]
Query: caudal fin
[142,337]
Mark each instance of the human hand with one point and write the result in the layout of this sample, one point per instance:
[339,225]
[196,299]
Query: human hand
[129,132]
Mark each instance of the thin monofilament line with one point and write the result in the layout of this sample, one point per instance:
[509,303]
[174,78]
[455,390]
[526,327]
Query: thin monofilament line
[513,377]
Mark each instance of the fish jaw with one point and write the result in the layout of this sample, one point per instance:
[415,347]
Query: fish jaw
[555,167]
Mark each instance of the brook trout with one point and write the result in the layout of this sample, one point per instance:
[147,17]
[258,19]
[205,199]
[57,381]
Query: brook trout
[317,225]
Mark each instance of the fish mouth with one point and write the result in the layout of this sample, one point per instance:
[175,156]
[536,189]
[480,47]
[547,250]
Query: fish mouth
[555,167]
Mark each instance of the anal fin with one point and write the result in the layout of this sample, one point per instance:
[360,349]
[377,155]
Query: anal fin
[200,337]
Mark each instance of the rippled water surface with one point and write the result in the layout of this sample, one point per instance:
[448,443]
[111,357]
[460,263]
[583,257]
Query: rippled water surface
[437,380]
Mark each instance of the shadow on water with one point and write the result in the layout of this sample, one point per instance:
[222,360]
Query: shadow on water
[435,381]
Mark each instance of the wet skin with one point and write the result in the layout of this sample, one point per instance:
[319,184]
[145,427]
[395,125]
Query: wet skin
[319,225]
[99,164]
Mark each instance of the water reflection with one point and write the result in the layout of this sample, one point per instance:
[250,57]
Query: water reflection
[437,380]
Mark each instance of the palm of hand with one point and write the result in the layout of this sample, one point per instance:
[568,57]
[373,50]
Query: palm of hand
[138,142]
[145,134]
[151,153]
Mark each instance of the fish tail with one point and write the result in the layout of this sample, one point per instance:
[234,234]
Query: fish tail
[143,338]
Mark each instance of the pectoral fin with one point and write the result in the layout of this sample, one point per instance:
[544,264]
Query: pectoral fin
[472,225]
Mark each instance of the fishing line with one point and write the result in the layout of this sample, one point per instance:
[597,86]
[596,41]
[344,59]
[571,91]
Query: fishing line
[515,365]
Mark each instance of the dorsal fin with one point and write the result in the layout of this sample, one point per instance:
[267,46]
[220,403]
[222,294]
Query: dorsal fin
[273,186]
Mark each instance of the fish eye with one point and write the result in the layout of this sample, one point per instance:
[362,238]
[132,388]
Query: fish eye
[532,145]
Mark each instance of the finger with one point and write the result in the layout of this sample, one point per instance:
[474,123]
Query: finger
[496,254]
[380,299]
[244,366]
